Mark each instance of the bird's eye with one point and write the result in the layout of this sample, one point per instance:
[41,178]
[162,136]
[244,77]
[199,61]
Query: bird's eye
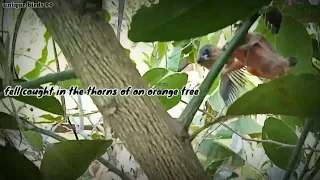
[207,52]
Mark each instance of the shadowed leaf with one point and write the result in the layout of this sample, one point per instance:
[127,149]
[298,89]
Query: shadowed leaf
[178,20]
[276,130]
[15,165]
[293,95]
[70,159]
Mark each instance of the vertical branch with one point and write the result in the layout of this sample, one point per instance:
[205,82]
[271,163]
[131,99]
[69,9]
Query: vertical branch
[306,166]
[191,109]
[297,150]
[315,170]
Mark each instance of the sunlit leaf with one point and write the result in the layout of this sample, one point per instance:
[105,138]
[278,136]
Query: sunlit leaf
[203,41]
[244,126]
[214,151]
[215,38]
[39,65]
[34,139]
[154,75]
[51,118]
[71,82]
[173,61]
[172,82]
[161,49]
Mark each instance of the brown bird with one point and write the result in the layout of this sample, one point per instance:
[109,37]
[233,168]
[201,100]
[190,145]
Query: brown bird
[256,56]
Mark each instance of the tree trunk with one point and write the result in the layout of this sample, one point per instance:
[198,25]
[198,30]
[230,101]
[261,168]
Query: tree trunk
[141,122]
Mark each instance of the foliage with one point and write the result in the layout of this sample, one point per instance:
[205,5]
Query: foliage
[70,159]
[194,18]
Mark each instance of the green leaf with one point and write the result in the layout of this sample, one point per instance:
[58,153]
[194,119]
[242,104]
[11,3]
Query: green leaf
[72,82]
[227,34]
[70,159]
[154,75]
[292,121]
[216,101]
[293,95]
[215,85]
[249,172]
[194,18]
[276,130]
[214,151]
[303,12]
[203,41]
[244,126]
[171,82]
[8,122]
[215,38]
[46,103]
[316,49]
[107,15]
[265,31]
[213,167]
[174,60]
[34,139]
[293,40]
[15,165]
[35,73]
[51,118]
[161,49]
[188,49]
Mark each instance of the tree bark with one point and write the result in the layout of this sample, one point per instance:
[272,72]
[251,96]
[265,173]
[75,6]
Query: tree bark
[141,122]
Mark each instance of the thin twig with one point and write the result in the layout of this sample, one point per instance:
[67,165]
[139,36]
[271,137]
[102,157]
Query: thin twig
[224,118]
[309,156]
[295,154]
[73,129]
[14,39]
[315,170]
[36,61]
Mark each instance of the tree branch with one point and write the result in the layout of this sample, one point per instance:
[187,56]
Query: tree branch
[224,118]
[296,153]
[141,122]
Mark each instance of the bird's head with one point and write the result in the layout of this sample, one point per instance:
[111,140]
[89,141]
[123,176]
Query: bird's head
[208,54]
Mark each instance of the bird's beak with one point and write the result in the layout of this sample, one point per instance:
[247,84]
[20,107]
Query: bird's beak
[202,58]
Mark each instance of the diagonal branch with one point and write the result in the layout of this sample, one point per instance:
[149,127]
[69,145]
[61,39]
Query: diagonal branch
[295,154]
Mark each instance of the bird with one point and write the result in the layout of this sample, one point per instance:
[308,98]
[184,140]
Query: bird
[255,56]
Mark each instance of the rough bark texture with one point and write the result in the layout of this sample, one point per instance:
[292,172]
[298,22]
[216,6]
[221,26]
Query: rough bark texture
[98,59]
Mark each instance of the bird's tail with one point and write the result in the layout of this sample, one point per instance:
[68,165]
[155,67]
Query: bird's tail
[292,61]
[235,84]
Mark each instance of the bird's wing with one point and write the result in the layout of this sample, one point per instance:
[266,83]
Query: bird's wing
[234,85]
